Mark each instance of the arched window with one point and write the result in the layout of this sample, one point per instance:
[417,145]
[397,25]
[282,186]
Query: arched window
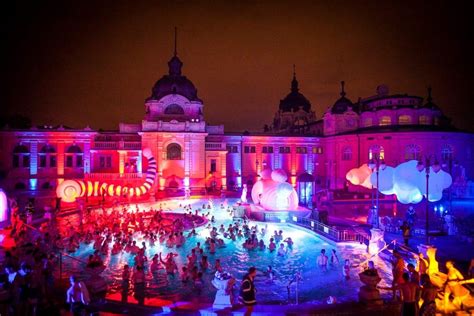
[376,152]
[404,119]
[174,109]
[173,152]
[47,157]
[368,122]
[385,120]
[412,152]
[347,153]
[74,157]
[447,153]
[21,157]
[424,120]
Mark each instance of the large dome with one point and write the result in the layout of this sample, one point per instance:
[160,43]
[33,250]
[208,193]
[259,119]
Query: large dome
[174,83]
[342,104]
[294,100]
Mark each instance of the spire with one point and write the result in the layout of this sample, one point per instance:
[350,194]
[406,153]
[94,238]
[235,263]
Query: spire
[343,93]
[294,82]
[175,63]
[175,41]
[429,99]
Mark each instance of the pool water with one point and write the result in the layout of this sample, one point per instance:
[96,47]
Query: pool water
[315,286]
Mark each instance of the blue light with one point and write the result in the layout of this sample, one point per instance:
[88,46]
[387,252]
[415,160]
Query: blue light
[33,184]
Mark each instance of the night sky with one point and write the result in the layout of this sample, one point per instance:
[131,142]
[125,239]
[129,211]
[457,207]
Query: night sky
[94,63]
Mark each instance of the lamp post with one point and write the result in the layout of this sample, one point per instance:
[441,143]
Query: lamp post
[426,168]
[375,164]
[448,162]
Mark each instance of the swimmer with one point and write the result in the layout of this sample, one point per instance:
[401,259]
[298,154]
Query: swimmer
[334,259]
[272,245]
[289,242]
[281,250]
[323,260]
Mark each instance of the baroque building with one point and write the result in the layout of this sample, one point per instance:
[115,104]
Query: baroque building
[193,157]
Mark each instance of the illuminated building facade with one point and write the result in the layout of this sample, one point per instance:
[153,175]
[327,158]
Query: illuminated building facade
[192,156]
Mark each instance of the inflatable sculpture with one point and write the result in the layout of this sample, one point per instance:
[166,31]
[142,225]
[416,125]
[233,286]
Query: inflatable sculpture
[223,282]
[69,190]
[404,180]
[272,192]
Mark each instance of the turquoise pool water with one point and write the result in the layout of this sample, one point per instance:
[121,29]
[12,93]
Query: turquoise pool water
[316,285]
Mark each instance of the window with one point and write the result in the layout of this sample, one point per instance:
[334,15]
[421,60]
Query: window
[424,120]
[301,150]
[376,152]
[404,119]
[174,109]
[284,150]
[105,162]
[47,157]
[74,157]
[213,165]
[21,157]
[249,149]
[347,153]
[173,152]
[385,120]
[317,150]
[368,122]
[232,149]
[412,152]
[447,153]
[267,150]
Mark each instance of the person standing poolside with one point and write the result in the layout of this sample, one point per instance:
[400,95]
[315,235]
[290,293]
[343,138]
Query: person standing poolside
[428,294]
[76,296]
[248,291]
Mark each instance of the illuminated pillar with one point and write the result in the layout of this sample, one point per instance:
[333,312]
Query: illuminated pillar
[87,157]
[139,162]
[121,161]
[33,158]
[159,158]
[222,155]
[276,158]
[187,161]
[60,159]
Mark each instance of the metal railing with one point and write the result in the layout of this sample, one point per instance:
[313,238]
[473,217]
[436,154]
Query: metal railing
[339,235]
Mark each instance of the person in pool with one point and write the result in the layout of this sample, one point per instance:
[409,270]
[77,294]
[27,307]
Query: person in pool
[281,250]
[323,260]
[272,245]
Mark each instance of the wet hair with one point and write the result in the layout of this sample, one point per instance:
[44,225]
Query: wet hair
[410,265]
[252,270]
[323,250]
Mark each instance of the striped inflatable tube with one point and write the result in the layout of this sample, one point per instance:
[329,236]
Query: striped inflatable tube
[69,190]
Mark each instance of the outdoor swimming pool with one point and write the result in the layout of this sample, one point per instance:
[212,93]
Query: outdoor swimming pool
[316,285]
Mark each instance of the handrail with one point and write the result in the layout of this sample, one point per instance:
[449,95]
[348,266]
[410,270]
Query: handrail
[325,230]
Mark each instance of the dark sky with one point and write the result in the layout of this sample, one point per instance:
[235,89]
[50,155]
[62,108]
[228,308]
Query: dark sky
[94,62]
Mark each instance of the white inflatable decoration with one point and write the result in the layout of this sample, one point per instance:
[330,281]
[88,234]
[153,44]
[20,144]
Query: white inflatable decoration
[220,282]
[3,206]
[360,176]
[405,181]
[272,191]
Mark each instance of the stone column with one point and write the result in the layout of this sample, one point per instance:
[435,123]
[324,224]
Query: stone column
[60,159]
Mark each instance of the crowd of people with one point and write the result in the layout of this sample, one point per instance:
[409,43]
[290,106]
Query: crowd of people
[27,280]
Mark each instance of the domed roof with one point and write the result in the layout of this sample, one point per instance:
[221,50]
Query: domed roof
[294,100]
[429,101]
[174,83]
[343,104]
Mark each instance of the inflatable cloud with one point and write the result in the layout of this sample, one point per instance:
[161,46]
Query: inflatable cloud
[405,181]
[360,176]
[272,191]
